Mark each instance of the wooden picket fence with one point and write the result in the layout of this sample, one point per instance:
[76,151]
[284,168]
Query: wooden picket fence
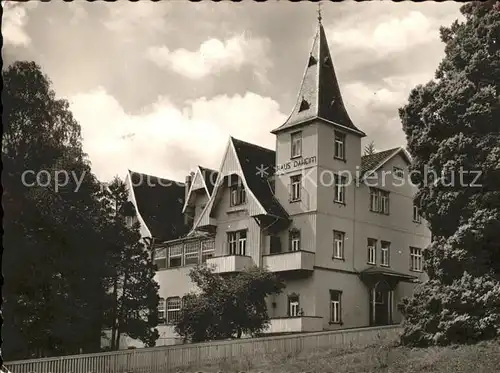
[164,359]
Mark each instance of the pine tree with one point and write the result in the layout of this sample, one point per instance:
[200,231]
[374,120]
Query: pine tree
[452,125]
[134,292]
[370,148]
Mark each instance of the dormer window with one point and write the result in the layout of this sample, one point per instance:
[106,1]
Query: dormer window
[237,195]
[296,140]
[339,146]
[304,105]
[312,61]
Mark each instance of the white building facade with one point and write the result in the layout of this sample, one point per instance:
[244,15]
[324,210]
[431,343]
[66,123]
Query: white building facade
[340,228]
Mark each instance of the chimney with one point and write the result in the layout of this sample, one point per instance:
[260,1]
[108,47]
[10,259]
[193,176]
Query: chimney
[189,180]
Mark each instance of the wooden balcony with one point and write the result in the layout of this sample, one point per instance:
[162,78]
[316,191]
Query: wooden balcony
[289,261]
[230,263]
[295,324]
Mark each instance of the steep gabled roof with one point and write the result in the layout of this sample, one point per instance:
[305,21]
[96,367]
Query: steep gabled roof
[160,203]
[210,176]
[371,162]
[319,94]
[258,165]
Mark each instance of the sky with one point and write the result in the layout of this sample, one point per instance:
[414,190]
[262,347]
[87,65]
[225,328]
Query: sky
[158,87]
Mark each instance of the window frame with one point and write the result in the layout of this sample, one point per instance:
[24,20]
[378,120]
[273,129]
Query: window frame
[294,138]
[169,319]
[293,300]
[295,181]
[204,251]
[162,257]
[336,241]
[337,306]
[162,311]
[236,244]
[339,189]
[237,195]
[339,142]
[379,201]
[295,240]
[385,247]
[416,256]
[177,255]
[191,254]
[372,251]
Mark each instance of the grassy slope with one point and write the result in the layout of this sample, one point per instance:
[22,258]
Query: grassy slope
[480,358]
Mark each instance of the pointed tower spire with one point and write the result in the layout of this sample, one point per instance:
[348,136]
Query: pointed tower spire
[319,94]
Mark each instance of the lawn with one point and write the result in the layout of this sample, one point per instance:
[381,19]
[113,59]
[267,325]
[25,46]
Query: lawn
[481,358]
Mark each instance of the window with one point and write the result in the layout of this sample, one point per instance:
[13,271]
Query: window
[338,245]
[207,250]
[379,201]
[335,307]
[192,252]
[372,250]
[294,240]
[340,183]
[339,146]
[293,306]
[379,297]
[161,311]
[398,172]
[175,256]
[416,214]
[160,258]
[384,253]
[242,243]
[296,144]
[237,242]
[416,259]
[237,194]
[173,309]
[296,182]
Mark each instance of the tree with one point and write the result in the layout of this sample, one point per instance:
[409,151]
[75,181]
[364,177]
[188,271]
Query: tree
[134,297]
[370,148]
[452,125]
[226,307]
[52,276]
[64,245]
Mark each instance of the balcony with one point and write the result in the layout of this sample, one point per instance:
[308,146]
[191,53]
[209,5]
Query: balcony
[295,324]
[289,261]
[230,263]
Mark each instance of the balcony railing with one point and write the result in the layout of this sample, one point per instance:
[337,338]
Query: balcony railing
[290,261]
[295,324]
[230,263]
[185,251]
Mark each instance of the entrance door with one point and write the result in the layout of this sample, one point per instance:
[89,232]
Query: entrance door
[380,304]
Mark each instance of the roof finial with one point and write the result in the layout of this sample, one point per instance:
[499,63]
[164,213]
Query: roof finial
[319,12]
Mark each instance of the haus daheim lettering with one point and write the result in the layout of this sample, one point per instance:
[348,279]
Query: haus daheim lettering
[295,164]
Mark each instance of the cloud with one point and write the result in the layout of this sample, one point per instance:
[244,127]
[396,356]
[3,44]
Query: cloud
[138,19]
[389,36]
[14,20]
[168,141]
[214,56]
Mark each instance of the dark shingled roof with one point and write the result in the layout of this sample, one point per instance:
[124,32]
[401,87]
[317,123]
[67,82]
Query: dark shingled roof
[369,162]
[160,203]
[253,158]
[210,177]
[319,94]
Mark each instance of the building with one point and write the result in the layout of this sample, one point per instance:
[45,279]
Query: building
[339,227]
